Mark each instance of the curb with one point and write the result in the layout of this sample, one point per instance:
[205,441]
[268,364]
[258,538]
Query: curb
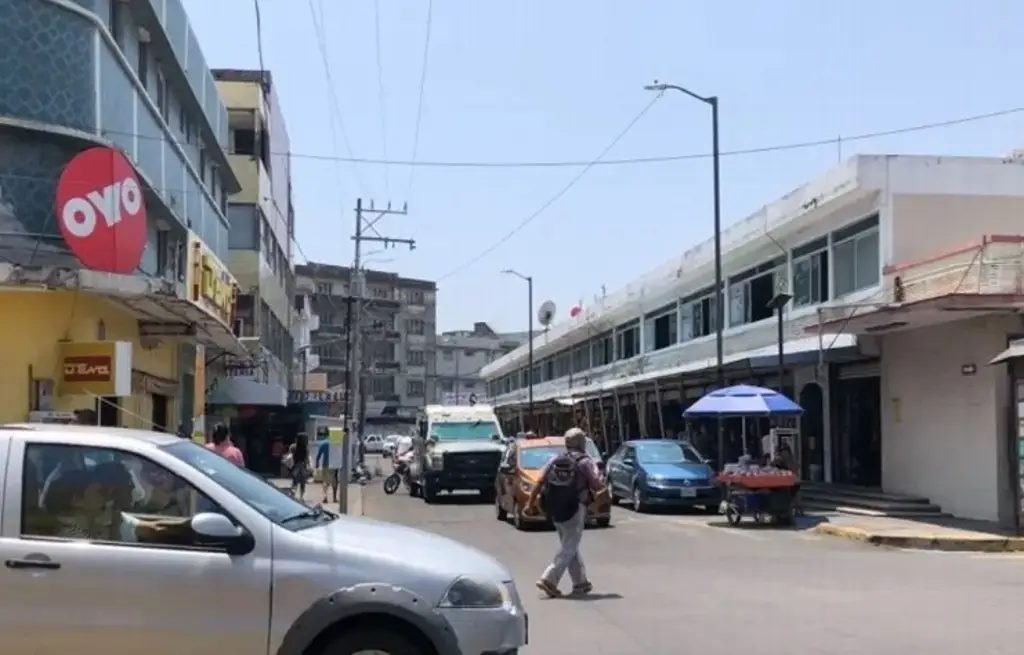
[949,544]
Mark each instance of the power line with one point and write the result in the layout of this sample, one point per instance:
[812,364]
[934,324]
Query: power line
[419,102]
[555,198]
[321,40]
[781,147]
[380,97]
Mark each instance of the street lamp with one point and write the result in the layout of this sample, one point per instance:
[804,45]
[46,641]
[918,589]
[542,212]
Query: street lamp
[711,101]
[778,303]
[529,337]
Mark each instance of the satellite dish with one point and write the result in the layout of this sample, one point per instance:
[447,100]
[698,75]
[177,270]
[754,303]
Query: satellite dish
[546,313]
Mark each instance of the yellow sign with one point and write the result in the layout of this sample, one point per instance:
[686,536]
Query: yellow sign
[335,436]
[211,287]
[97,368]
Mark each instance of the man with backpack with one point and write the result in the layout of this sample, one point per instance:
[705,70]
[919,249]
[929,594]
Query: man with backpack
[568,484]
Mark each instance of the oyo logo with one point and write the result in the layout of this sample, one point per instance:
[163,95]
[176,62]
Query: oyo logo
[101,211]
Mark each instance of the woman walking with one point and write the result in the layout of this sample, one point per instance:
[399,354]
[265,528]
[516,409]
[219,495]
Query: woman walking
[300,465]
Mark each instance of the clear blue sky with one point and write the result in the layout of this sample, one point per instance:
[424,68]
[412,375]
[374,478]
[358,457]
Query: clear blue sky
[526,80]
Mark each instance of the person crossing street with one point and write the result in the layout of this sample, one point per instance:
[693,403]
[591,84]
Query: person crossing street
[568,484]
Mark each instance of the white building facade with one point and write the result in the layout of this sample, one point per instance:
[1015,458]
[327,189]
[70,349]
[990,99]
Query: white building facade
[905,275]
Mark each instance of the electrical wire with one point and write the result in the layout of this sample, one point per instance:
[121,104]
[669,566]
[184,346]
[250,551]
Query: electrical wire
[380,97]
[555,198]
[780,147]
[321,40]
[419,102]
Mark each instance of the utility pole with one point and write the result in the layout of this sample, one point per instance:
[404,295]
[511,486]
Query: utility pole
[458,382]
[366,221]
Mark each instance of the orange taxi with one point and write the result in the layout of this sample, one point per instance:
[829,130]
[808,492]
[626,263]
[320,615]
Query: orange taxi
[520,471]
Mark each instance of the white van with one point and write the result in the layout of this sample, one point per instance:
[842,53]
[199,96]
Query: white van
[459,447]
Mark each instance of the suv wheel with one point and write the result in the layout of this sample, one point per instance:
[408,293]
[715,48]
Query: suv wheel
[372,641]
[429,492]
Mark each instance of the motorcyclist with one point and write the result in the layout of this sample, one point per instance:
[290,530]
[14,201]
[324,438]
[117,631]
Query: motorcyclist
[404,452]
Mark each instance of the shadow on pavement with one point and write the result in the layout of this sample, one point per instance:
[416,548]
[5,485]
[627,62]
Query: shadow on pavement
[590,598]
[799,524]
[462,499]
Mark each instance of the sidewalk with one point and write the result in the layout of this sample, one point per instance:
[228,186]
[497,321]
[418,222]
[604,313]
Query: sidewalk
[935,534]
[314,495]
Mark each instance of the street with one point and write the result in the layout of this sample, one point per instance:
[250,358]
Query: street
[683,583]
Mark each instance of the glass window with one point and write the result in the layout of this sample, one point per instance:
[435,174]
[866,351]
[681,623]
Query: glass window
[532,459]
[810,279]
[107,495]
[666,452]
[464,430]
[856,263]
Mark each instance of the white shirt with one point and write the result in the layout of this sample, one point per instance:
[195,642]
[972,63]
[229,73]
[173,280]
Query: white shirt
[403,446]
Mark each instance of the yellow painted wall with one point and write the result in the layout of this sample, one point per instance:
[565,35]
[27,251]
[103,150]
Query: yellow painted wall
[240,95]
[31,325]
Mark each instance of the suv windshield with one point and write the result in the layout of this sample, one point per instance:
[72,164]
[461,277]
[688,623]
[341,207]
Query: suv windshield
[259,494]
[464,431]
[666,452]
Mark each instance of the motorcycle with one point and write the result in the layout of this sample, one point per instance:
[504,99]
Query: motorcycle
[361,475]
[399,475]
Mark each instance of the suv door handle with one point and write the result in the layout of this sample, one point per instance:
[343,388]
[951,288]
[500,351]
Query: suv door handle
[32,564]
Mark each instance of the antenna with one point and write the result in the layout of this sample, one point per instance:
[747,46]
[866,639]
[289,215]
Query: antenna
[546,313]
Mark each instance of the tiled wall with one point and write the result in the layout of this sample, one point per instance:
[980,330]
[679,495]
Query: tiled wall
[48,74]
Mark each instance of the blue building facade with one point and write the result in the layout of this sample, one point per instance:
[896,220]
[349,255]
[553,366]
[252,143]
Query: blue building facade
[123,73]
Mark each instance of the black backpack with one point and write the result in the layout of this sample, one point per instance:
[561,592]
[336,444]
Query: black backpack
[561,488]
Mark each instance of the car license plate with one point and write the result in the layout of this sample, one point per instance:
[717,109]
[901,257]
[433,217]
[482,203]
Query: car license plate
[688,493]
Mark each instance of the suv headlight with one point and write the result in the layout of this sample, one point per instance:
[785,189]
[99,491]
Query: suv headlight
[467,593]
[435,460]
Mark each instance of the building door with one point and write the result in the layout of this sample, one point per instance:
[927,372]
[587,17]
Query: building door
[812,432]
[857,457]
[160,413]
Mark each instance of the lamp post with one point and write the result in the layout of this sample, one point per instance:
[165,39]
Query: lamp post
[529,337]
[778,304]
[712,102]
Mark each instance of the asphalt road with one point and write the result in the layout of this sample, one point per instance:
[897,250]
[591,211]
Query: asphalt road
[668,584]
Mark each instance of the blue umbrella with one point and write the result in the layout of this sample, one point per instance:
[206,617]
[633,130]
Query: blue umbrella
[743,400]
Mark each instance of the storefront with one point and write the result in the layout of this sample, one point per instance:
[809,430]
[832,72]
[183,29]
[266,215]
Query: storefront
[66,351]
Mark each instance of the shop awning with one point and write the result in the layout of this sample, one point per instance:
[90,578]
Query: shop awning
[240,391]
[1015,350]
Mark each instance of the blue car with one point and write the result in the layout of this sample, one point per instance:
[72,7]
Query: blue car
[662,473]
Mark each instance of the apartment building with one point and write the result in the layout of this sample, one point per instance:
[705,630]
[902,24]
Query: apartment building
[399,342]
[262,222]
[463,354]
[97,97]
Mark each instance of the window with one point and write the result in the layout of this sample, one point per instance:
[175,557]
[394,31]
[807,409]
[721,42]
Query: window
[855,257]
[581,358]
[323,287]
[143,65]
[447,355]
[243,142]
[661,329]
[414,388]
[602,351]
[810,274]
[751,291]
[106,495]
[416,297]
[469,352]
[161,93]
[116,23]
[627,341]
[414,326]
[697,316]
[447,385]
[383,386]
[416,358]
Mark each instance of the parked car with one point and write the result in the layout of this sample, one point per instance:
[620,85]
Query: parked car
[186,539]
[373,443]
[520,472]
[664,473]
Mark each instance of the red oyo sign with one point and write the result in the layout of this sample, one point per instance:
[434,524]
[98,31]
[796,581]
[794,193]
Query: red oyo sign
[101,211]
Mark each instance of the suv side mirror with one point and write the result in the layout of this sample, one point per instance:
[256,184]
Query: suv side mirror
[506,469]
[629,461]
[212,529]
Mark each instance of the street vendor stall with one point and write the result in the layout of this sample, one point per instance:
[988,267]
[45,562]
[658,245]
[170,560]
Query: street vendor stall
[766,491]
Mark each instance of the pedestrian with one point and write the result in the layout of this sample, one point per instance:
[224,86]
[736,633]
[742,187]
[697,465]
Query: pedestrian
[568,484]
[222,445]
[328,475]
[300,465]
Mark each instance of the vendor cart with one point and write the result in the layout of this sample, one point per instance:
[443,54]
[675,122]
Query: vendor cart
[767,498]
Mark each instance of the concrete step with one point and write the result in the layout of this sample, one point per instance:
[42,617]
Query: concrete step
[861,501]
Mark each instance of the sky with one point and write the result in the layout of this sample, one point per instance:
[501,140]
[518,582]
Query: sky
[526,81]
